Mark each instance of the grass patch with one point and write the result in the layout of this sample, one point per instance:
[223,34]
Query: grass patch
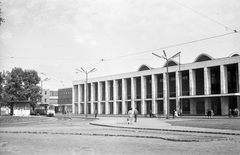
[231,124]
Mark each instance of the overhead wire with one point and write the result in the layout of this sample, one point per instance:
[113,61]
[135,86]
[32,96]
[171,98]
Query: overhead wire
[203,15]
[166,47]
[6,49]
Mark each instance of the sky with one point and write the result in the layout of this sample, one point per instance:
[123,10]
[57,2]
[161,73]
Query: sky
[56,37]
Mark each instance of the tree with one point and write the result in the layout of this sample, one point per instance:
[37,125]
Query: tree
[2,20]
[22,86]
[1,90]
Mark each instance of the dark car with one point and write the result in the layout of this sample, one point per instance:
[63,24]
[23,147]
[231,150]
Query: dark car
[39,112]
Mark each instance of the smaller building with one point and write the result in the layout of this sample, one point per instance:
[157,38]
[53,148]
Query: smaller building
[20,108]
[50,97]
[65,100]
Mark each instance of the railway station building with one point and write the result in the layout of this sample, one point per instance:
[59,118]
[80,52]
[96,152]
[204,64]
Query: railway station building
[206,83]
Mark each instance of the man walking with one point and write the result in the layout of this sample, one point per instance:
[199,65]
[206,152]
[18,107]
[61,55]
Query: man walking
[135,115]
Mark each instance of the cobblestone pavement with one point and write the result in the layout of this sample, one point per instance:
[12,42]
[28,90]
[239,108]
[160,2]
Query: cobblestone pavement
[74,135]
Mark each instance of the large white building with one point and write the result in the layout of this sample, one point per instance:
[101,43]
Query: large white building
[206,83]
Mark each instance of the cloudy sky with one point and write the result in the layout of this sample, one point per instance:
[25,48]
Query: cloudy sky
[54,37]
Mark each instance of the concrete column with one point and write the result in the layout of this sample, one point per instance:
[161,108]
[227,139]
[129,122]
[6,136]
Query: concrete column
[207,104]
[207,81]
[114,97]
[165,94]
[85,99]
[193,106]
[143,91]
[224,80]
[92,97]
[177,91]
[73,101]
[78,97]
[98,100]
[238,102]
[124,110]
[238,87]
[106,97]
[225,105]
[192,82]
[133,91]
[154,92]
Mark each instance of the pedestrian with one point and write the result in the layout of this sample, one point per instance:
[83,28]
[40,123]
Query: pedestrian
[150,113]
[237,112]
[208,113]
[95,113]
[211,114]
[135,115]
[230,113]
[180,113]
[173,114]
[130,116]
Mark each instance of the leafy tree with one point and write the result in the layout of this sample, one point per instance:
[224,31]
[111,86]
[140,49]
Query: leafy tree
[2,102]
[22,86]
[2,20]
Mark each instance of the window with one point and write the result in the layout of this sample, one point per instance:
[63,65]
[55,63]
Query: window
[185,77]
[172,79]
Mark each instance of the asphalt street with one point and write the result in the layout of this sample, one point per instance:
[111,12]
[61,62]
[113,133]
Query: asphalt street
[75,135]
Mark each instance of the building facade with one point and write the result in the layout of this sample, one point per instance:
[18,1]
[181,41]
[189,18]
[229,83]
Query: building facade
[65,100]
[50,97]
[207,83]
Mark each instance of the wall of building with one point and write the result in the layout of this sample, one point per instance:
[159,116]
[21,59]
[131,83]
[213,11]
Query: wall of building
[207,84]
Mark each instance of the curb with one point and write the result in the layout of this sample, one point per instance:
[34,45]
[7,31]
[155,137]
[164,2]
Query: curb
[118,135]
[190,131]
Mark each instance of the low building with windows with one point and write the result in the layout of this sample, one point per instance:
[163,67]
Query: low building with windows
[20,108]
[50,97]
[206,83]
[65,100]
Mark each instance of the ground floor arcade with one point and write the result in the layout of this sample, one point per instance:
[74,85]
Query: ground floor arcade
[189,105]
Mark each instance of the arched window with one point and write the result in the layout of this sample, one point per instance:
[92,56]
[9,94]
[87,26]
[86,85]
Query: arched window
[203,57]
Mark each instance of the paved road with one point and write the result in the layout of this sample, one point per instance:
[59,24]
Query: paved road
[74,135]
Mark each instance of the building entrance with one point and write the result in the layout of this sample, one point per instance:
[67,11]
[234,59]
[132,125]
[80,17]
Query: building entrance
[110,107]
[95,106]
[138,107]
[119,109]
[160,107]
[200,107]
[128,105]
[172,106]
[89,108]
[148,106]
[103,107]
[216,106]
[233,102]
[82,108]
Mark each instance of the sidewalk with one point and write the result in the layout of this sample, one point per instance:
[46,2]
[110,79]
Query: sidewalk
[158,124]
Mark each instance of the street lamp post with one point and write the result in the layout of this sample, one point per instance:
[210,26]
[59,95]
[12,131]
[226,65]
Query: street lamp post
[86,89]
[167,78]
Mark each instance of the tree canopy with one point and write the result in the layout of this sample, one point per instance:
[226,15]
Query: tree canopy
[2,20]
[21,85]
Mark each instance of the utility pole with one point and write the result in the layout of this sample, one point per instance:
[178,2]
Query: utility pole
[86,89]
[167,77]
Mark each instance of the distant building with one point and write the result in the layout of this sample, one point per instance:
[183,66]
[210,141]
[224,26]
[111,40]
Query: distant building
[65,100]
[206,83]
[50,97]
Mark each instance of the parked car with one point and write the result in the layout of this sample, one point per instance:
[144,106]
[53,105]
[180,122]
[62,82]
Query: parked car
[43,112]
